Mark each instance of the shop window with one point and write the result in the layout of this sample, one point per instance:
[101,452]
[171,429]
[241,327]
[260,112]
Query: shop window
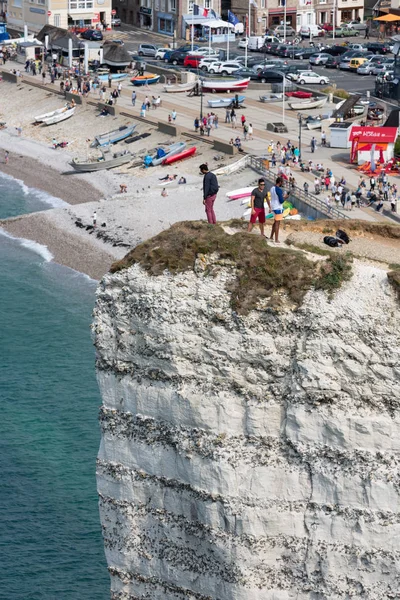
[165,26]
[57,20]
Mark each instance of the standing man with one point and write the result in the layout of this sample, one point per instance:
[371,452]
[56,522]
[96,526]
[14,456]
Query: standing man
[313,144]
[109,79]
[366,36]
[277,199]
[258,197]
[323,138]
[133,98]
[210,191]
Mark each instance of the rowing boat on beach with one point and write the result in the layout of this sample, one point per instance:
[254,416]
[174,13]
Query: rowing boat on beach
[112,137]
[225,85]
[179,87]
[107,160]
[162,154]
[225,102]
[145,79]
[114,76]
[55,116]
[317,103]
[272,98]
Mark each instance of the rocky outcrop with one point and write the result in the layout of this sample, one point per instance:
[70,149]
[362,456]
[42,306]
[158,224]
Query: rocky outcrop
[248,457]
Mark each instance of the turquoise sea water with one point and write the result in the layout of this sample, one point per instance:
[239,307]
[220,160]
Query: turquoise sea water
[50,536]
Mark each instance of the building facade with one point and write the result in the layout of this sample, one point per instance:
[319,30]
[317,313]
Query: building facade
[60,13]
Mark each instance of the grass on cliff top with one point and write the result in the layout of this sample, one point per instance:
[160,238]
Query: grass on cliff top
[262,271]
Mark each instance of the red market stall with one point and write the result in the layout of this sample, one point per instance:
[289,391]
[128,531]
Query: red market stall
[372,145]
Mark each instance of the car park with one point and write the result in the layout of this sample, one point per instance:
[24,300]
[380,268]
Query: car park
[148,50]
[270,76]
[94,35]
[383,68]
[267,64]
[344,64]
[319,59]
[308,77]
[356,25]
[287,50]
[115,22]
[378,47]
[358,47]
[280,31]
[368,68]
[305,53]
[255,42]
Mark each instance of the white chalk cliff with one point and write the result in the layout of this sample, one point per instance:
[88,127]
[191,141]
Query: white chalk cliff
[248,457]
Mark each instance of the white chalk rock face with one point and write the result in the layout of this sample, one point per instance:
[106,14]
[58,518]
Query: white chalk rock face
[248,458]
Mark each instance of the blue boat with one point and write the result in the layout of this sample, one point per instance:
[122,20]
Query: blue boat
[225,102]
[113,136]
[114,76]
[145,79]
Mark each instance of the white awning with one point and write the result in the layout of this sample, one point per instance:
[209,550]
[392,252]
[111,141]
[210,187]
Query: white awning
[205,22]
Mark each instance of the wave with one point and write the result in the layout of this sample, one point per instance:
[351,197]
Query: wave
[40,249]
[39,194]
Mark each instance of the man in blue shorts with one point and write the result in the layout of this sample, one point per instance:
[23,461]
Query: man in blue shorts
[277,200]
[258,196]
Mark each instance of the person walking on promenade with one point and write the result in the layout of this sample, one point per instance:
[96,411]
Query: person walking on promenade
[210,191]
[133,98]
[258,196]
[313,144]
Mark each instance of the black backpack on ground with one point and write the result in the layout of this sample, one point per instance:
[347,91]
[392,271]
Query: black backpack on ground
[331,241]
[342,235]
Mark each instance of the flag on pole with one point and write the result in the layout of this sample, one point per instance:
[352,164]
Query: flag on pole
[232,18]
[196,9]
[205,12]
[213,14]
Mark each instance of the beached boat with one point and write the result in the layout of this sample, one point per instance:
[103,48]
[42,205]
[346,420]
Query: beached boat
[180,87]
[314,123]
[358,109]
[224,102]
[145,79]
[180,156]
[108,160]
[299,94]
[54,113]
[240,193]
[113,136]
[225,85]
[114,76]
[272,98]
[65,113]
[161,154]
[318,103]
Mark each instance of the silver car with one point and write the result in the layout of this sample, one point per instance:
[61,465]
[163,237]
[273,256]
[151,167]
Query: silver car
[319,59]
[279,31]
[356,25]
[383,67]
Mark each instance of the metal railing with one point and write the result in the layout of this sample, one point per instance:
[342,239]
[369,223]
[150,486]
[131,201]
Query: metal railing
[257,164]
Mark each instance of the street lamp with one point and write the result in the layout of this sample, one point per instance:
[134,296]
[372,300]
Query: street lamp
[300,119]
[201,97]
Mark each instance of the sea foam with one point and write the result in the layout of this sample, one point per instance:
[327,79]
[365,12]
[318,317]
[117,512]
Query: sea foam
[40,249]
[39,194]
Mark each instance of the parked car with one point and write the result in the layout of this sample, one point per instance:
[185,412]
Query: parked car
[333,62]
[176,57]
[192,61]
[272,48]
[319,59]
[255,42]
[115,22]
[346,58]
[356,25]
[335,50]
[205,51]
[308,77]
[160,53]
[267,64]
[327,26]
[94,35]
[378,47]
[205,63]
[368,68]
[305,53]
[244,72]
[357,62]
[279,31]
[345,32]
[359,47]
[148,49]
[384,67]
[287,50]
[308,31]
[224,68]
[270,76]
[243,43]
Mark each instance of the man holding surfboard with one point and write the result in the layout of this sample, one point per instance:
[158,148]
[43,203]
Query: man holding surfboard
[277,200]
[258,196]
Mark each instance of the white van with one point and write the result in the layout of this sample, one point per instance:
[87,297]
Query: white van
[307,31]
[255,42]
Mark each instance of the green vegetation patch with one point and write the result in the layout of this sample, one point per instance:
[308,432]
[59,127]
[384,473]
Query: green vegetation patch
[279,274]
[334,272]
[338,93]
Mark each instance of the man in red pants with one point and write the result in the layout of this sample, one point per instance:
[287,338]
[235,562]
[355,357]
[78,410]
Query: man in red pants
[210,191]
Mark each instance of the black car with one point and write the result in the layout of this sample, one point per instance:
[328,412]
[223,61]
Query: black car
[177,57]
[333,62]
[270,76]
[94,35]
[335,50]
[245,73]
[295,68]
[273,49]
[288,51]
[305,53]
[378,47]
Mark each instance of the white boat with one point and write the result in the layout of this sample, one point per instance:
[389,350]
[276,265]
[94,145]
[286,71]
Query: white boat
[180,87]
[225,102]
[359,109]
[272,98]
[66,113]
[306,104]
[107,160]
[171,150]
[53,113]
[225,85]
[314,124]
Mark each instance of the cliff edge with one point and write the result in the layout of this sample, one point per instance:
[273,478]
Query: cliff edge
[250,448]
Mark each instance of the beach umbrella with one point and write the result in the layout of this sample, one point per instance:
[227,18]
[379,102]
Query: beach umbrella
[387,18]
